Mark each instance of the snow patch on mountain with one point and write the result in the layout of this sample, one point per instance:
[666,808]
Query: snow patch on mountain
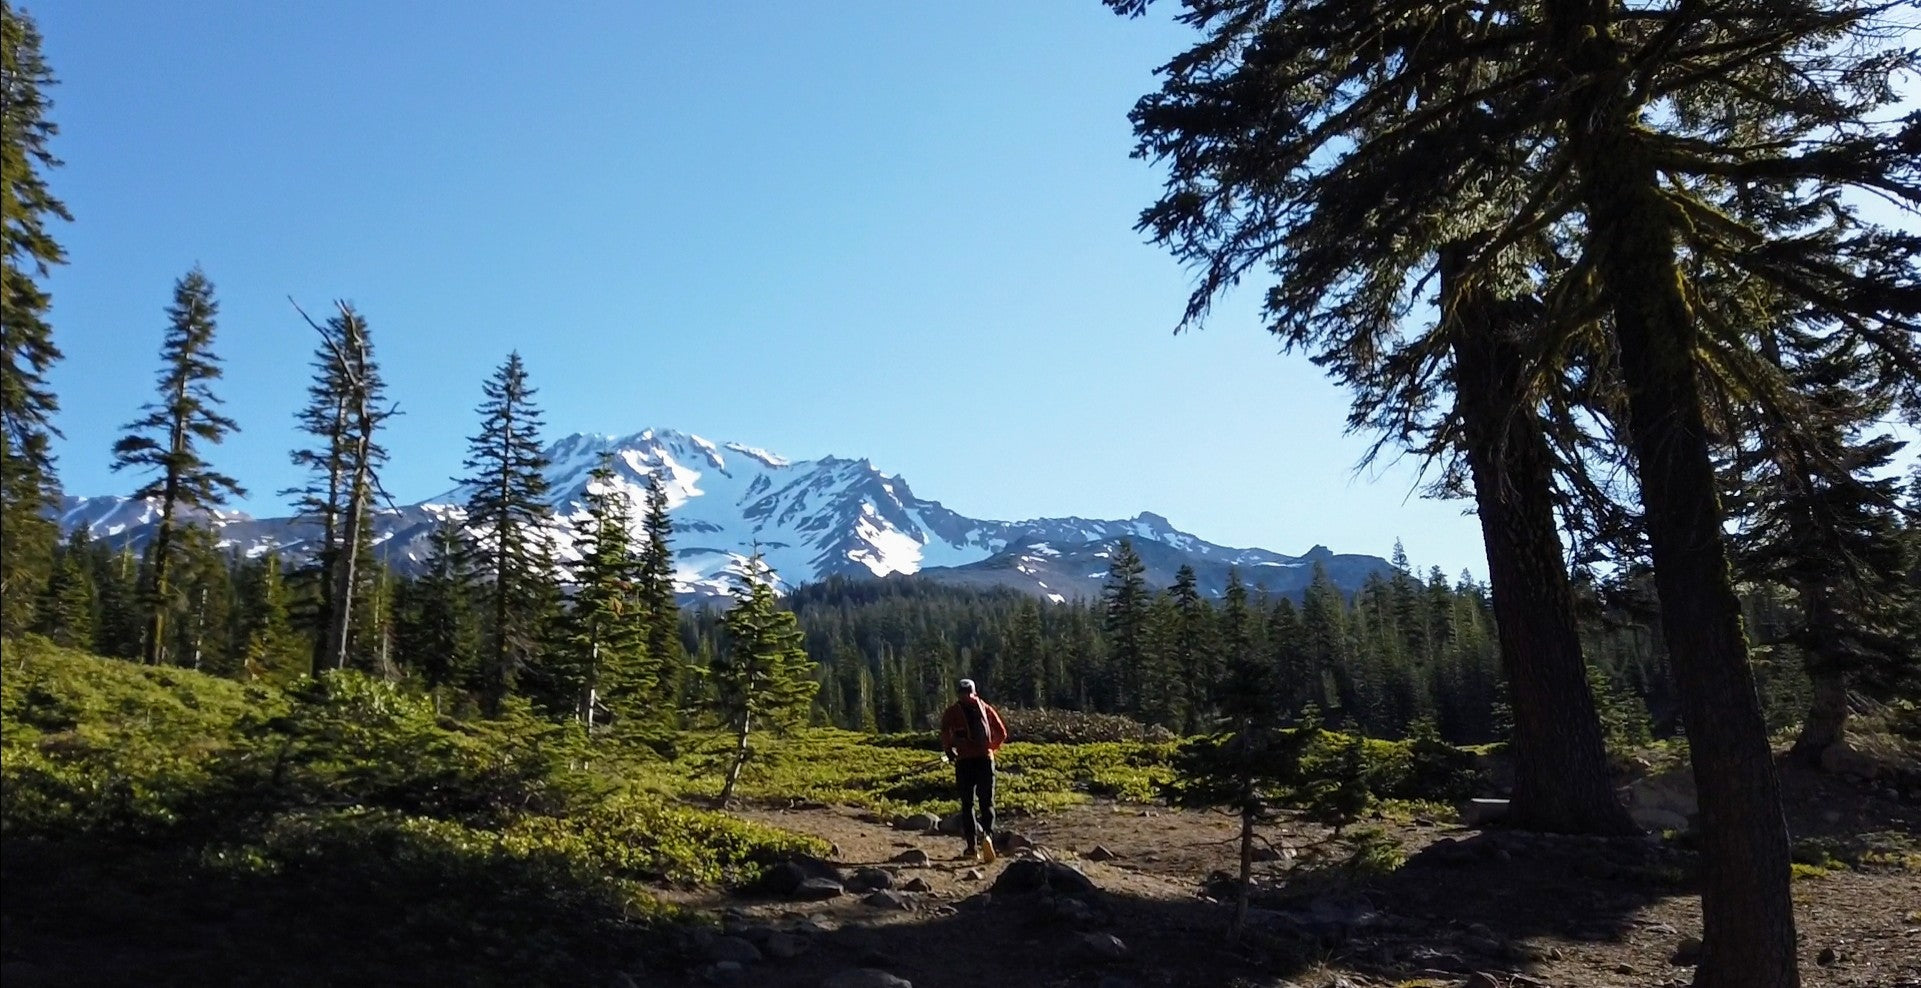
[809,519]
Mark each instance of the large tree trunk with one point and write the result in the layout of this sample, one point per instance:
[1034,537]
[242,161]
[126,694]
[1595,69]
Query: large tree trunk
[346,563]
[1827,719]
[1560,761]
[1747,912]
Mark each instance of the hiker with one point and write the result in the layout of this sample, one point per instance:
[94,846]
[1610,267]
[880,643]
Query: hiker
[970,732]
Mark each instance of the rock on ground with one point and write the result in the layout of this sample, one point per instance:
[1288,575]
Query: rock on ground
[1028,875]
[816,889]
[866,977]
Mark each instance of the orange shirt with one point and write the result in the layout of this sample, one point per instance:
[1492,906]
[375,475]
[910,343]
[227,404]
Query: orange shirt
[956,736]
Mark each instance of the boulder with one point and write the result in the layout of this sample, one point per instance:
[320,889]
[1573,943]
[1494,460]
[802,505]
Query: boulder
[817,889]
[889,899]
[725,973]
[1687,953]
[949,824]
[1663,801]
[1027,875]
[916,885]
[865,977]
[1008,842]
[735,949]
[786,876]
[787,946]
[1841,759]
[1481,812]
[911,857]
[1100,853]
[1103,948]
[869,879]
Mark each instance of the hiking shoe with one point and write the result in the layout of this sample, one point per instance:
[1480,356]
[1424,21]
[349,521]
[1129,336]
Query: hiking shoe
[987,850]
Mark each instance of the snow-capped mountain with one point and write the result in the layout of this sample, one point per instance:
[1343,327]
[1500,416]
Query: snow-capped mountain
[811,519]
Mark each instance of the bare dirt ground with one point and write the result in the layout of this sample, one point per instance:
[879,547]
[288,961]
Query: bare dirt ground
[1521,910]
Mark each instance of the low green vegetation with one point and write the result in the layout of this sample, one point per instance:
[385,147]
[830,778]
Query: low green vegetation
[200,812]
[244,830]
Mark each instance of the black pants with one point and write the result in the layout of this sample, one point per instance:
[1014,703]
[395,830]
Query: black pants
[975,776]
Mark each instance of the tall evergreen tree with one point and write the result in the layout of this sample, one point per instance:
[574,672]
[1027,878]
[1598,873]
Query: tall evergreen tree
[1193,659]
[1245,122]
[763,677]
[166,441]
[117,579]
[28,487]
[507,518]
[343,412]
[1024,666]
[659,606]
[1821,516]
[1126,602]
[271,649]
[437,630]
[602,661]
[69,610]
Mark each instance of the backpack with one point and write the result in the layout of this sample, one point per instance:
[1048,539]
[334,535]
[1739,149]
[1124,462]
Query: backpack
[976,716]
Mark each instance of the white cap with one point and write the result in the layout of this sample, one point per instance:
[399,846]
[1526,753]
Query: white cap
[967,686]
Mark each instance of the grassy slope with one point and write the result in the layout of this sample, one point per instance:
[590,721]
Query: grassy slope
[160,824]
[166,825]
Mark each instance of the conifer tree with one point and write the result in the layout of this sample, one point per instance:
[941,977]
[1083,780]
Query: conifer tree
[1024,676]
[602,661]
[437,632]
[659,605]
[763,678]
[1126,603]
[507,519]
[1820,517]
[201,635]
[68,611]
[28,486]
[117,579]
[1192,658]
[343,412]
[1622,124]
[271,649]
[166,441]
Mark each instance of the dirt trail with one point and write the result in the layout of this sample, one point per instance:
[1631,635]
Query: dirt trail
[1559,911]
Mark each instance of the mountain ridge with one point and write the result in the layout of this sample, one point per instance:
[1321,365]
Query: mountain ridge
[810,519]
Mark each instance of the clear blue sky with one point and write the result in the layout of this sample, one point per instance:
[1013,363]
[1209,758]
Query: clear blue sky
[882,229]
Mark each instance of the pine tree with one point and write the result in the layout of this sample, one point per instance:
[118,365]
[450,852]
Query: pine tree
[1821,518]
[1193,659]
[602,661]
[1126,604]
[763,677]
[166,441]
[203,583]
[28,486]
[343,412]
[507,517]
[117,579]
[1024,680]
[271,649]
[659,605]
[68,611]
[1326,652]
[437,630]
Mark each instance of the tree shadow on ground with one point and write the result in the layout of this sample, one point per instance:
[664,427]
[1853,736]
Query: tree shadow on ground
[1473,905]
[91,912]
